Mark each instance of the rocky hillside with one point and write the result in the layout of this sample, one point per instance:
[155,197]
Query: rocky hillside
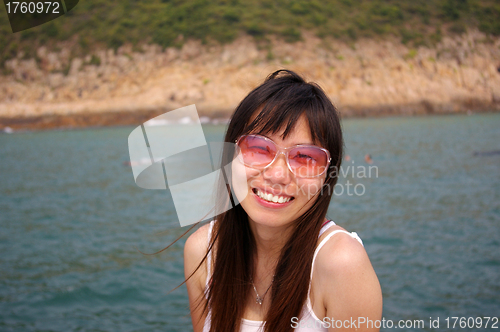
[367,77]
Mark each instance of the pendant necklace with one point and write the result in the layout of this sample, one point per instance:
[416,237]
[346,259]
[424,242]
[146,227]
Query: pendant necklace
[259,299]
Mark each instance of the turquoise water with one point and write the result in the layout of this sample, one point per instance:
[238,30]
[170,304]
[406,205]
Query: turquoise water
[72,219]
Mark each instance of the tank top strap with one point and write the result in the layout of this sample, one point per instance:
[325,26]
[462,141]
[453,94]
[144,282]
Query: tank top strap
[325,226]
[354,235]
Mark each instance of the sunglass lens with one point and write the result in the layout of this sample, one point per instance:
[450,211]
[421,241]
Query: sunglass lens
[308,161]
[256,151]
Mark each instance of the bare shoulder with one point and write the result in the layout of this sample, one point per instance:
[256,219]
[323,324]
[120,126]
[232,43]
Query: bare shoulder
[196,246]
[195,250]
[350,287]
[341,253]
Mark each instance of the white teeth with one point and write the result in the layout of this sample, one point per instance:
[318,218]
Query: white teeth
[272,198]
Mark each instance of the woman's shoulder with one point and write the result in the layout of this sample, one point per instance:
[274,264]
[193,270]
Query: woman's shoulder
[345,275]
[196,244]
[340,251]
[195,250]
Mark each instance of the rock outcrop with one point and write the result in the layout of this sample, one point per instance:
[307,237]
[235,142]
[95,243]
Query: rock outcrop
[367,78]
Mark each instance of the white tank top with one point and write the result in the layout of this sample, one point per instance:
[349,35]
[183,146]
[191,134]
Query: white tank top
[308,321]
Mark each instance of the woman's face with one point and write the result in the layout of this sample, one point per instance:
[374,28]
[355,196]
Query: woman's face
[253,187]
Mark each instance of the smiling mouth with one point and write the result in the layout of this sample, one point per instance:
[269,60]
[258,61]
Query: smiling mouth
[272,198]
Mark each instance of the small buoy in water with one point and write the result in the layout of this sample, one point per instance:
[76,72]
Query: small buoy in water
[486,153]
[8,130]
[205,119]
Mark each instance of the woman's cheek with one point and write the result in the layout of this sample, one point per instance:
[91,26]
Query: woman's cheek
[242,177]
[309,187]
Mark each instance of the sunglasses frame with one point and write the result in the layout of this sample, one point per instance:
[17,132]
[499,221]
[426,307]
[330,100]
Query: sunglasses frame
[284,151]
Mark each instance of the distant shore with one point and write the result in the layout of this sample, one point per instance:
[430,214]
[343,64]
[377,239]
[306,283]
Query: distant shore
[369,78]
[110,119]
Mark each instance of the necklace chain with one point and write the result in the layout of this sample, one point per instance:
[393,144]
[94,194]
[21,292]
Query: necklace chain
[259,299]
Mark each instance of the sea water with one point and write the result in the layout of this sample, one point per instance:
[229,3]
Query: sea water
[73,225]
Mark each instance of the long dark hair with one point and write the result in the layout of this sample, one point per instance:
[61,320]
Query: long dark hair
[282,99]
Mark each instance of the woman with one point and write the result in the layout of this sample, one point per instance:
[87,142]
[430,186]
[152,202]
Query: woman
[274,262]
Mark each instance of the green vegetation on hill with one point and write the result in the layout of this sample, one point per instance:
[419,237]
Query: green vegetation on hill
[112,23]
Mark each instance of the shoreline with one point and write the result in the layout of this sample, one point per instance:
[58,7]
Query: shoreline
[135,118]
[369,78]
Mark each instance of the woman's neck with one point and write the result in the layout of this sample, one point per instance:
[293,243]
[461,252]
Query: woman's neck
[270,241]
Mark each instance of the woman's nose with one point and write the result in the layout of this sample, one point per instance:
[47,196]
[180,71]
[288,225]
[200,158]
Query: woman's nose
[278,171]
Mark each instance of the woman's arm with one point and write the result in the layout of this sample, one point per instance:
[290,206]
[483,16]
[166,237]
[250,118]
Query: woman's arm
[194,251]
[349,286]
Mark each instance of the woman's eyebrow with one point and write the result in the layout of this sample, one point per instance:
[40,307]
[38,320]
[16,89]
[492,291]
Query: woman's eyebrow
[266,135]
[302,143]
